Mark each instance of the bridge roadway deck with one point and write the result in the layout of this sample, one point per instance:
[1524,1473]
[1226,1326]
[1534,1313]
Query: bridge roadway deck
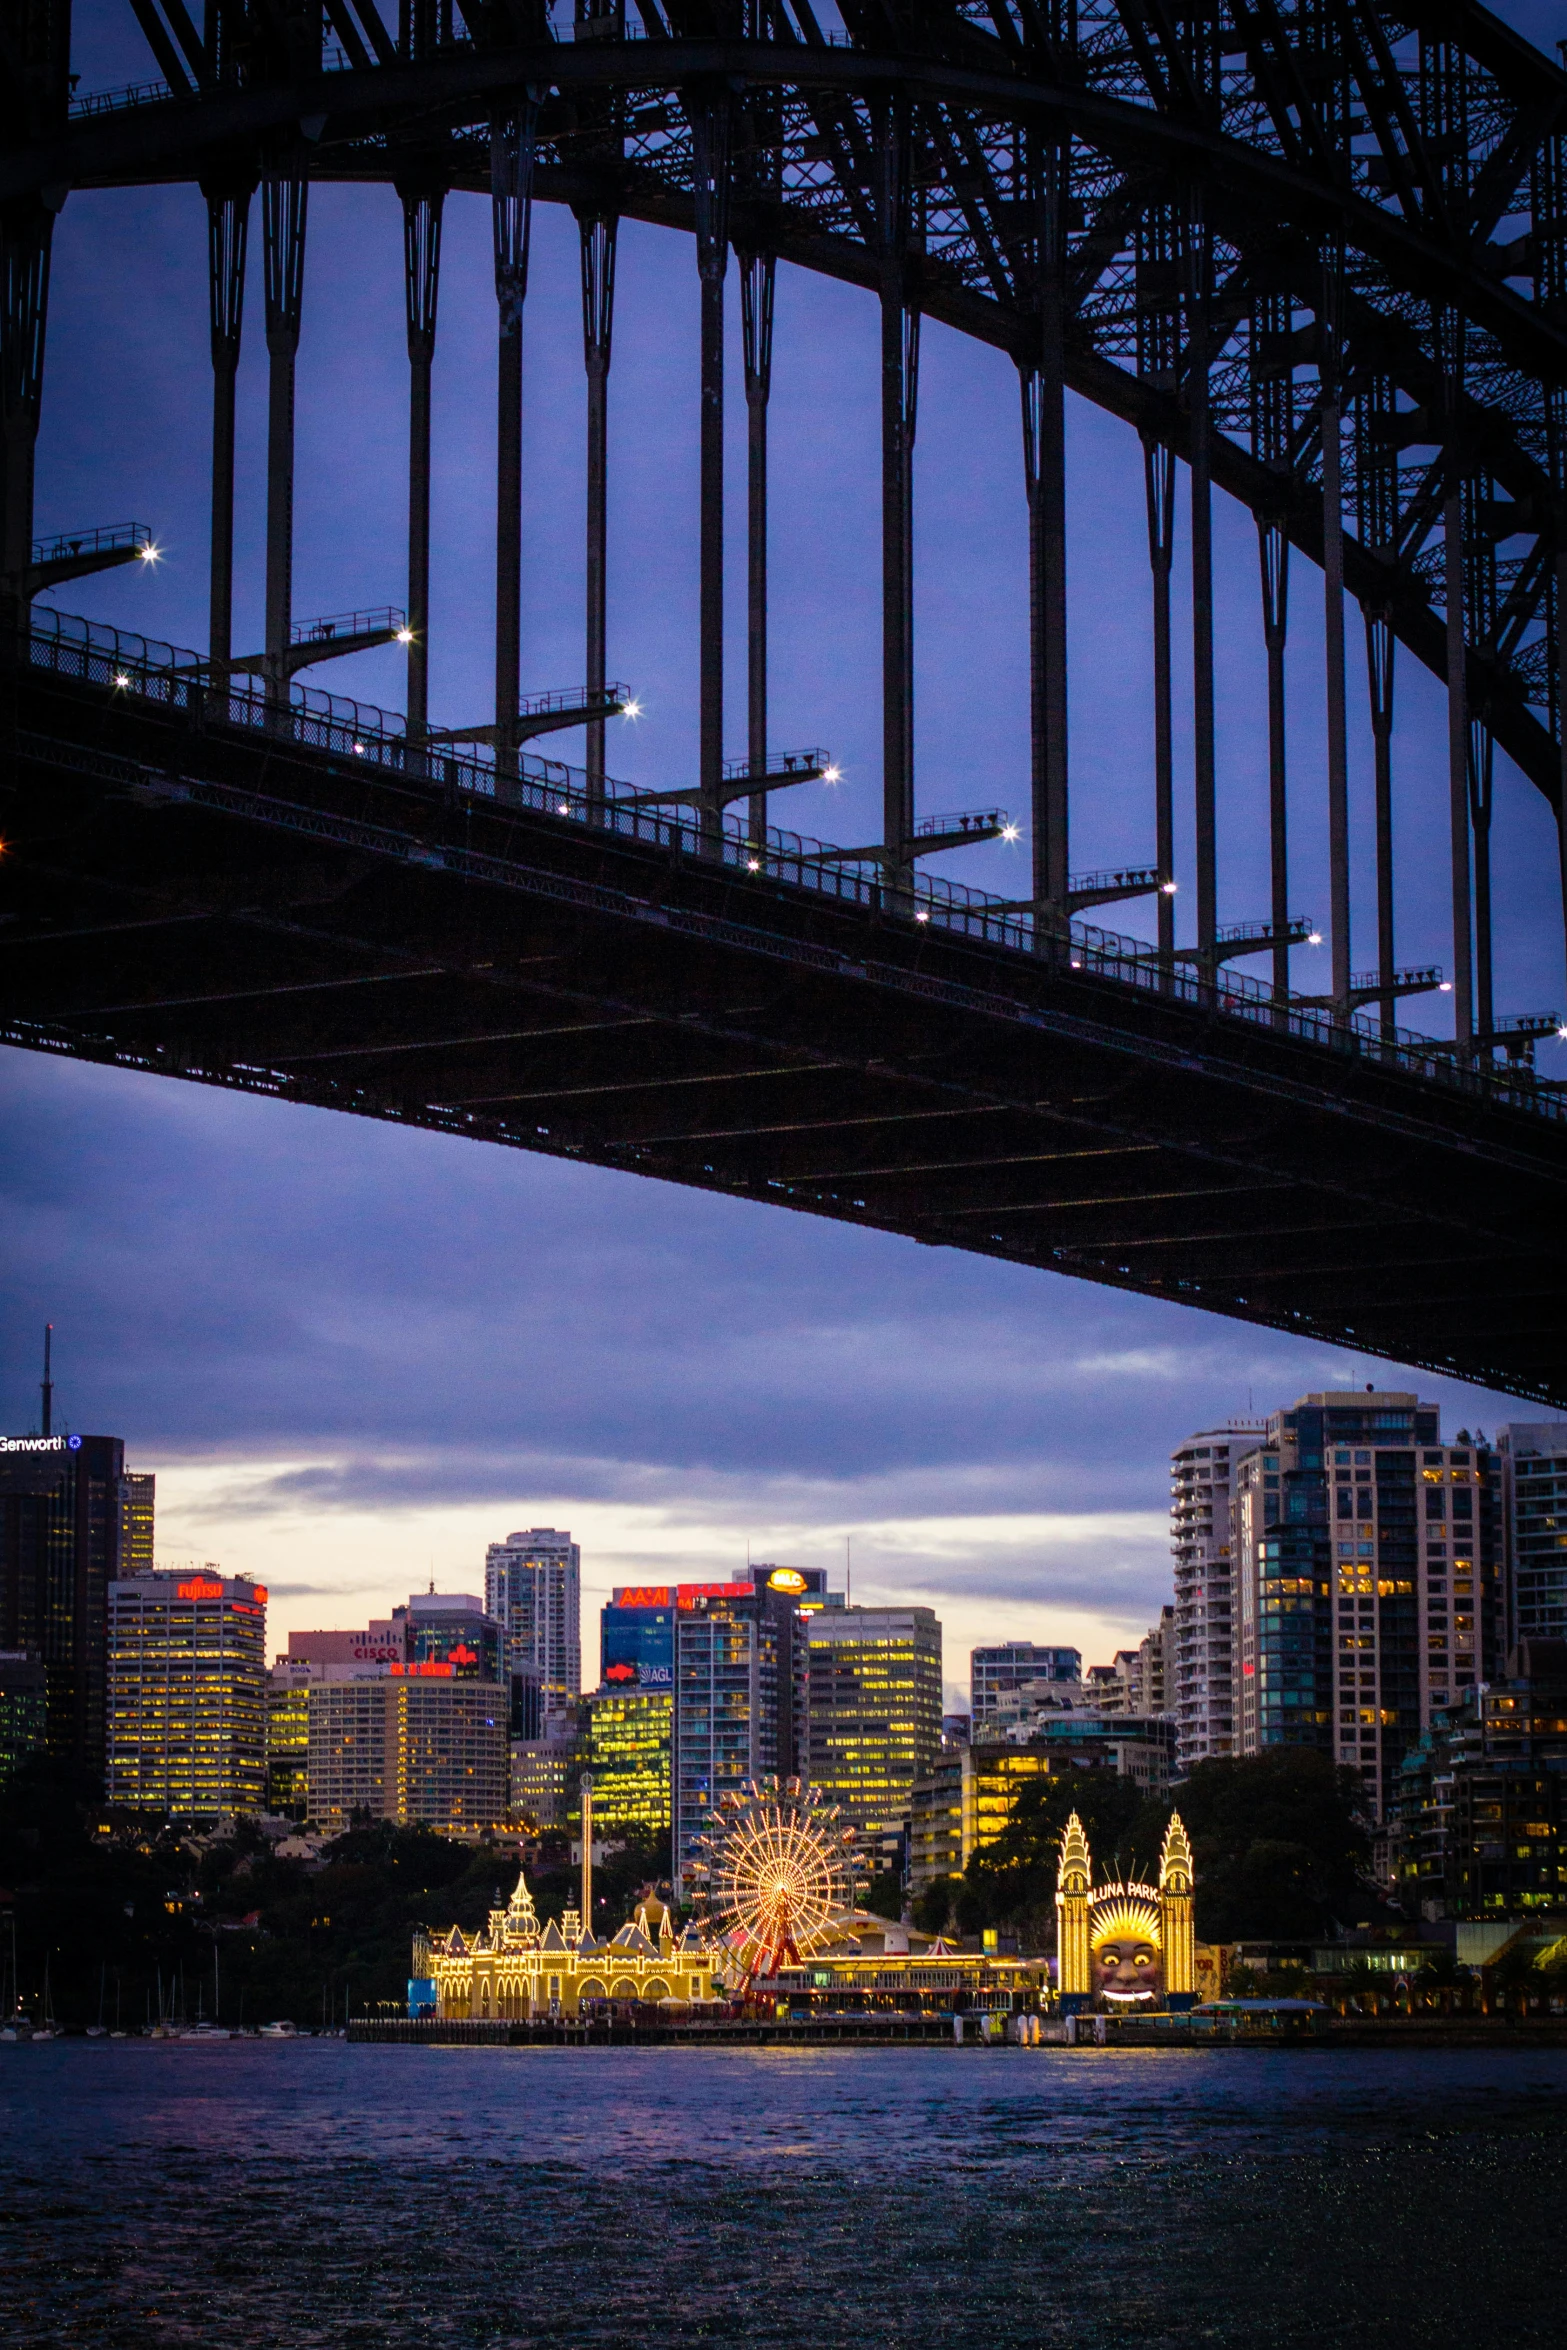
[201,902]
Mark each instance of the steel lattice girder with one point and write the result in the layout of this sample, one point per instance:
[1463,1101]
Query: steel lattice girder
[1428,139]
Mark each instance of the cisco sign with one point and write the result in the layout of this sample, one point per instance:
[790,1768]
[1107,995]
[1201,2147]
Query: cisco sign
[40,1444]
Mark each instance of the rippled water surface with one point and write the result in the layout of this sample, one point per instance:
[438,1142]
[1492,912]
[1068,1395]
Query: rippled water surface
[312,2194]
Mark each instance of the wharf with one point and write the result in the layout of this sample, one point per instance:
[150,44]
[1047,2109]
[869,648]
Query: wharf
[1412,2034]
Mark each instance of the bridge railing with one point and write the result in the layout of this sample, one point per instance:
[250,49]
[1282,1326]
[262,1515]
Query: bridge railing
[122,662]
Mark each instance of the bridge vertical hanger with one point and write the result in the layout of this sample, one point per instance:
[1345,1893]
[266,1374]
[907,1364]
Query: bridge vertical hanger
[1199,289]
[711,137]
[1376,496]
[228,236]
[26,233]
[1329,366]
[1044,460]
[1444,110]
[1272,421]
[598,235]
[758,283]
[1450,331]
[1158,363]
[1549,209]
[284,197]
[900,348]
[422,206]
[513,140]
[1480,608]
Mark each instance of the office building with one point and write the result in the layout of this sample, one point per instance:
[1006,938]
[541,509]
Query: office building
[736,1709]
[1201,1696]
[1369,1578]
[61,1515]
[1533,1455]
[187,1682]
[138,1496]
[414,1746]
[995,1672]
[24,1709]
[544,1774]
[873,1710]
[637,1644]
[449,1636]
[288,1744]
[1477,1816]
[381,1643]
[533,1590]
[630,1748]
[962,1803]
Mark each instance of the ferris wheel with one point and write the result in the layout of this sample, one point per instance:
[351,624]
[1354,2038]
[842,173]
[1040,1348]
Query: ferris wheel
[775,1873]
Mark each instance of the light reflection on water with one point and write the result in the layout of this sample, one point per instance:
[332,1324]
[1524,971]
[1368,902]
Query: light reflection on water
[311,2194]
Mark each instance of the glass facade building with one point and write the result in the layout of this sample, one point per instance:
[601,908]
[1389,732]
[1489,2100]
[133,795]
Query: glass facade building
[873,1710]
[630,1742]
[1370,1579]
[62,1511]
[187,1682]
[995,1672]
[735,1672]
[1534,1480]
[637,1647]
[533,1590]
[24,1709]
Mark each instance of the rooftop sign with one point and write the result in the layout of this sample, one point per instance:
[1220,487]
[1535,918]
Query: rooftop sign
[40,1444]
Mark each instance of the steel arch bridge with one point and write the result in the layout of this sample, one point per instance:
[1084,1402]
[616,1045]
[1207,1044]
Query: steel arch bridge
[1314,251]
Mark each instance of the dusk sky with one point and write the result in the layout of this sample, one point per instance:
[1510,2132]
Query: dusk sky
[354,1355]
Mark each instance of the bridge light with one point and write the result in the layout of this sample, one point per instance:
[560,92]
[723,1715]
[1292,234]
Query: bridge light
[563,808]
[1009,832]
[150,554]
[631,709]
[405,636]
[121,677]
[754,865]
[832,775]
[1169,888]
[1444,987]
[1313,938]
[1562,1034]
[359,750]
[921,914]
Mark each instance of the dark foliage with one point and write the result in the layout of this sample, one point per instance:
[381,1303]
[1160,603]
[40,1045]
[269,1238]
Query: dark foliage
[1277,1838]
[143,1920]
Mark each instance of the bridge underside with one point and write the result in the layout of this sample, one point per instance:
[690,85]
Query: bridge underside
[260,916]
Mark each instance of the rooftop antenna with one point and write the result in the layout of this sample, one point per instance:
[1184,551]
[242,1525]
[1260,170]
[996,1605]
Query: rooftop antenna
[47,1382]
[848,1570]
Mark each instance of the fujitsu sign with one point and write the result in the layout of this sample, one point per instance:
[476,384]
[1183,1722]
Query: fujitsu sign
[40,1444]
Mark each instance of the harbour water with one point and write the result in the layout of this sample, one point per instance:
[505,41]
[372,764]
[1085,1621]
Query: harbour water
[307,2195]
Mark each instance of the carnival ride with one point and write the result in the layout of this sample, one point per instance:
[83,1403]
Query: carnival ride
[776,1874]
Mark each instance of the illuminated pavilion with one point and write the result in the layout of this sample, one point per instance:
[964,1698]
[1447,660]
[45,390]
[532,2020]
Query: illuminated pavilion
[515,1969]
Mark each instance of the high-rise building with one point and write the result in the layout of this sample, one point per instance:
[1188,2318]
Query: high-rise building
[962,1803]
[187,1681]
[406,1747]
[1202,1698]
[1477,1814]
[61,1513]
[24,1709]
[533,1589]
[637,1644]
[449,1636]
[630,1742]
[288,1743]
[1533,1455]
[544,1774]
[873,1700]
[1369,1575]
[995,1672]
[138,1498]
[736,1668]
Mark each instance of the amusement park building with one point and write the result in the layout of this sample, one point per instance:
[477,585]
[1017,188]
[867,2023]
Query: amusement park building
[513,1969]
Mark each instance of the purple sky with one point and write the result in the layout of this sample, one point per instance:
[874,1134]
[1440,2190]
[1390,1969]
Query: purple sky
[356,1353]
